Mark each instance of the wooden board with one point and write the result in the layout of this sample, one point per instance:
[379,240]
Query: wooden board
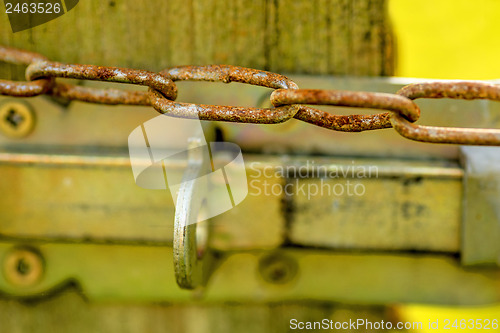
[70,313]
[315,37]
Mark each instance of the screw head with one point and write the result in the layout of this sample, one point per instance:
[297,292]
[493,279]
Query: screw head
[17,119]
[278,268]
[23,267]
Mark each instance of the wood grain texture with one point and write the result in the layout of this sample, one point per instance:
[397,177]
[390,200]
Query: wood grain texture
[339,37]
[69,312]
[332,37]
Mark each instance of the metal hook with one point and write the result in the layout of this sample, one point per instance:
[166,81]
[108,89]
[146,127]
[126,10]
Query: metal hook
[192,258]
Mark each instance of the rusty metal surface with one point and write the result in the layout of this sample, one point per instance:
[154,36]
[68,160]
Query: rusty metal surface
[100,96]
[287,100]
[44,69]
[223,113]
[452,89]
[19,57]
[22,89]
[226,74]
[350,123]
[468,90]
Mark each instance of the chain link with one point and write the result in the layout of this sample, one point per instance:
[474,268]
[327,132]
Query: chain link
[23,89]
[455,90]
[353,123]
[226,74]
[288,100]
[161,83]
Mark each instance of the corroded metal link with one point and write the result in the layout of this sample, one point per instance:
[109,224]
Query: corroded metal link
[100,96]
[226,73]
[221,112]
[97,73]
[456,90]
[452,89]
[19,57]
[288,99]
[22,89]
[350,123]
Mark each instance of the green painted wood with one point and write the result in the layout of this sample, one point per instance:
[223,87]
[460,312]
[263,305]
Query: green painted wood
[315,37]
[335,37]
[69,312]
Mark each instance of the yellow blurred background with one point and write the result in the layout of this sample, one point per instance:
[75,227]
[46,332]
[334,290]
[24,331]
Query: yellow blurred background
[447,39]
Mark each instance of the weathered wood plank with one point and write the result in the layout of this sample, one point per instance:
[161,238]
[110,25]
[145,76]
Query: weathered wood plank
[69,312]
[316,37]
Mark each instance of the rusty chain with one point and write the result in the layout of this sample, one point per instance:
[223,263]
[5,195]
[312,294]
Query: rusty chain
[288,100]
